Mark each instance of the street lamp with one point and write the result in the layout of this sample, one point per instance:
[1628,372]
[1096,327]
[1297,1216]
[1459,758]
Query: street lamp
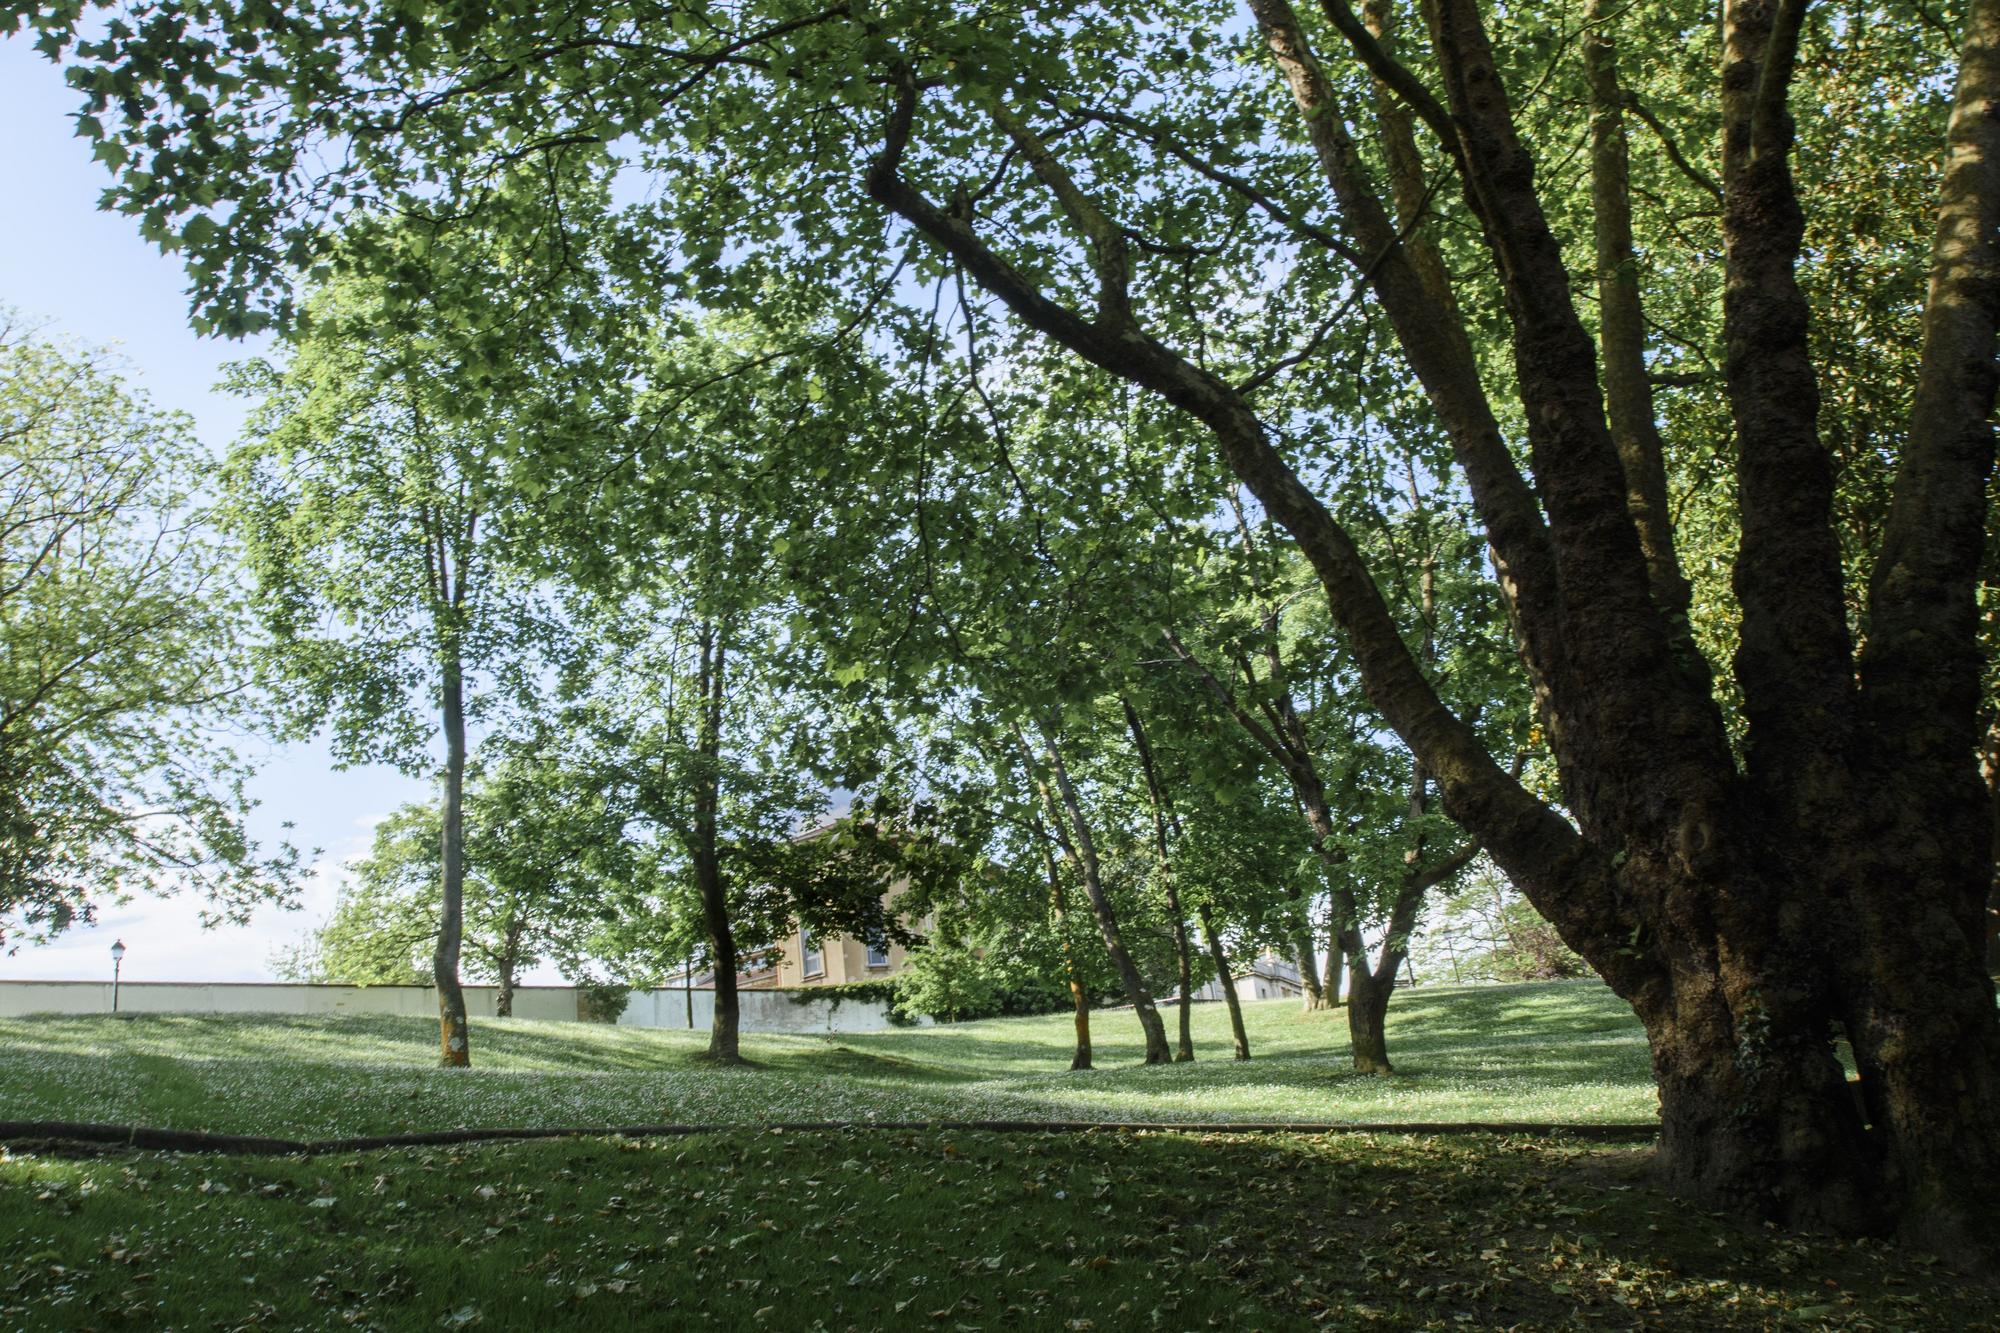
[117,962]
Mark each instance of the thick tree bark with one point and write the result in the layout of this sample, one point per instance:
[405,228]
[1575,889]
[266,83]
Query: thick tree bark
[704,850]
[1073,835]
[1225,981]
[1989,768]
[454,1038]
[1621,331]
[1743,914]
[1157,799]
[1919,1006]
[1367,1023]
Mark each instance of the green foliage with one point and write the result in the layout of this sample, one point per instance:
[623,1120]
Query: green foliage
[374,524]
[918,530]
[882,992]
[948,982]
[122,670]
[384,923]
[601,1001]
[1487,931]
[546,860]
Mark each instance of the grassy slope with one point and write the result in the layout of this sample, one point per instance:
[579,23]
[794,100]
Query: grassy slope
[1522,1053]
[750,1228]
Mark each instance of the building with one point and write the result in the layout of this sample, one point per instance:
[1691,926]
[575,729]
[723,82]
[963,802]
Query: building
[1267,977]
[799,961]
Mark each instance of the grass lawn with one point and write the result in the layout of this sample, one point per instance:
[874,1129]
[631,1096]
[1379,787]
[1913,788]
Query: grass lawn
[1562,1052]
[750,1227]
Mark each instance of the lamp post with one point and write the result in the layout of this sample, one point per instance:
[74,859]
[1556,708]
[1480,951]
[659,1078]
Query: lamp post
[117,962]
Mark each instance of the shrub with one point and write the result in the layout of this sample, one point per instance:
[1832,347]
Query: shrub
[601,1001]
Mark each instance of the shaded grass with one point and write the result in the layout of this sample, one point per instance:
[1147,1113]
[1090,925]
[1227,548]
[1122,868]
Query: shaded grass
[1567,1052]
[752,1228]
[749,1227]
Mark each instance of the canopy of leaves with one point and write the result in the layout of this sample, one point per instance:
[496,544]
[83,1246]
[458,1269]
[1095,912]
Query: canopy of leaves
[121,663]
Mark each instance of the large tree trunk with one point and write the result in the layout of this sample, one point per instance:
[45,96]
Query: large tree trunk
[454,1044]
[1369,988]
[1226,982]
[1080,847]
[1835,882]
[1367,1018]
[705,851]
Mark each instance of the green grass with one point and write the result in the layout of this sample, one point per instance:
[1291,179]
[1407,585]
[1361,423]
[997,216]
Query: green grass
[1563,1052]
[750,1227]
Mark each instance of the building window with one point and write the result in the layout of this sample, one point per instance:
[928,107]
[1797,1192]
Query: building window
[878,955]
[812,959]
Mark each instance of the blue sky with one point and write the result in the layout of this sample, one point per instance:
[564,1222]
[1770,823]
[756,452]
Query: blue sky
[88,274]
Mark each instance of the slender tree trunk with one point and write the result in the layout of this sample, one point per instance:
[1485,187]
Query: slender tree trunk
[507,965]
[454,1045]
[1184,1049]
[1313,996]
[1331,985]
[1058,910]
[1081,849]
[1158,801]
[1226,982]
[1079,1013]
[705,851]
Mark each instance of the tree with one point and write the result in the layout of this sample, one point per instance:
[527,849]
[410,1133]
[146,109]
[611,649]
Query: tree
[1758,848]
[384,925]
[547,859]
[1747,959]
[1487,932]
[374,521]
[1269,662]
[708,731]
[120,671]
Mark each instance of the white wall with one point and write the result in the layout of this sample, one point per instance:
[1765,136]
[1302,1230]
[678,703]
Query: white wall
[758,1011]
[761,1010]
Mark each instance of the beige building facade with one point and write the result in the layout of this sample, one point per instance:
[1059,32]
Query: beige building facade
[799,960]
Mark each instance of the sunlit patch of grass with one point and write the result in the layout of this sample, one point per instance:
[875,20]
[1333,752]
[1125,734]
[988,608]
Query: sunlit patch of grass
[1566,1052]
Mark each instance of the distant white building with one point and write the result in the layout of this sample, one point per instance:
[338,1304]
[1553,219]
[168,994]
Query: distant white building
[1268,977]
